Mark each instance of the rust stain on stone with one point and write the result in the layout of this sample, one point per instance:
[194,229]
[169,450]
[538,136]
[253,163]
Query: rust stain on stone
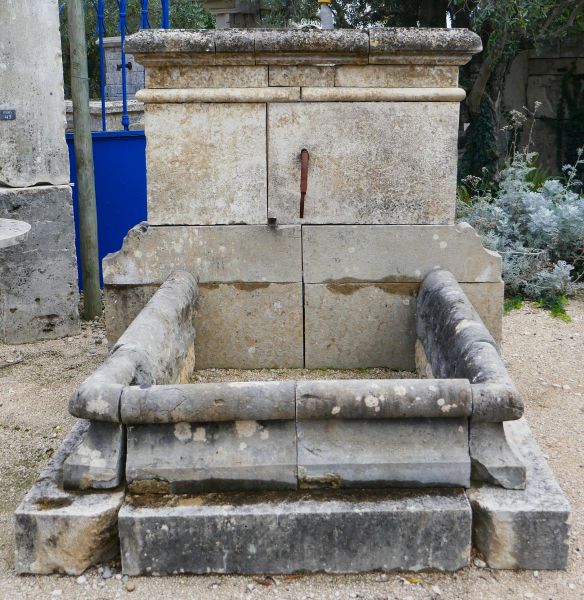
[399,289]
[149,486]
[250,287]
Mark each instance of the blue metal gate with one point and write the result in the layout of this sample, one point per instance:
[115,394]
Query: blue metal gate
[120,186]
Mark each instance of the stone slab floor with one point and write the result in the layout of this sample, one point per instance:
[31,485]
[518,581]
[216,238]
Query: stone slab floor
[545,357]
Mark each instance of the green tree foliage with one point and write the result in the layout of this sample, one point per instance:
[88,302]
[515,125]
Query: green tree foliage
[184,14]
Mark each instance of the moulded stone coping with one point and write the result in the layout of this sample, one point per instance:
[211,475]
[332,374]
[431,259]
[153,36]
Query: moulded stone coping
[286,400]
[222,95]
[360,94]
[287,46]
[157,347]
[457,344]
[383,399]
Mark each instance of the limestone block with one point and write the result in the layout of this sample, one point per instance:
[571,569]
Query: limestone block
[356,254]
[209,402]
[182,76]
[38,278]
[492,459]
[383,399]
[349,326]
[418,45]
[32,146]
[224,254]
[65,532]
[301,75]
[292,532]
[206,163]
[122,305]
[396,76]
[383,453]
[249,326]
[377,174]
[290,46]
[196,457]
[238,325]
[487,299]
[522,529]
[97,463]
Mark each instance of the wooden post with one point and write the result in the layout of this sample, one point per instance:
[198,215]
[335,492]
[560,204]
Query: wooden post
[92,305]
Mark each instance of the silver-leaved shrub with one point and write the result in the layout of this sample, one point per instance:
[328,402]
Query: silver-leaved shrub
[537,227]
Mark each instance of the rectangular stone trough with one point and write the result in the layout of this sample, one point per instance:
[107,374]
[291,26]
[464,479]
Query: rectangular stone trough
[294,476]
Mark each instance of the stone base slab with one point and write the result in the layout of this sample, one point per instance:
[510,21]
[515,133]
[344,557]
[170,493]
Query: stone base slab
[522,529]
[295,532]
[65,532]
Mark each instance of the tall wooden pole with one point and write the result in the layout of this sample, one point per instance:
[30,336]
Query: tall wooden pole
[84,157]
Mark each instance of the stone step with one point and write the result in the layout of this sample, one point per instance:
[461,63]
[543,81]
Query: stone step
[289,532]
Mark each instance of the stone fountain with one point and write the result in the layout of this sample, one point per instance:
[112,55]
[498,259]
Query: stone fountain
[301,214]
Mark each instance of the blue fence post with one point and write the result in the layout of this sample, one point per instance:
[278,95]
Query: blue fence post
[165,23]
[101,31]
[125,116]
[144,19]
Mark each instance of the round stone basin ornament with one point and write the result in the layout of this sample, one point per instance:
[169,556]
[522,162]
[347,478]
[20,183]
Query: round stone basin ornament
[12,232]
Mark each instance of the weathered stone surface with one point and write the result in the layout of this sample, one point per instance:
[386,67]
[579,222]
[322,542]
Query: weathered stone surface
[181,76]
[209,457]
[354,182]
[209,402]
[193,42]
[65,532]
[252,95]
[13,232]
[247,335]
[350,326]
[492,459]
[98,461]
[301,75]
[39,296]
[285,47]
[216,172]
[383,399]
[296,532]
[383,94]
[457,344]
[250,326]
[32,146]
[487,299]
[392,76]
[522,529]
[224,254]
[380,453]
[122,305]
[358,254]
[420,45]
[156,347]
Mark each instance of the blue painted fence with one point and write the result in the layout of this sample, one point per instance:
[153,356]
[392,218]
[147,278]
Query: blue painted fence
[120,187]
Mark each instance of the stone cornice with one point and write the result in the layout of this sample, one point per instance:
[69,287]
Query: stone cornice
[289,46]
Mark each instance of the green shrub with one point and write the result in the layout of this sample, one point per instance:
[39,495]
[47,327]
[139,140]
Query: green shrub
[537,225]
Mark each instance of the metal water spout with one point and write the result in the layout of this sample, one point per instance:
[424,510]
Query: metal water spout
[327,19]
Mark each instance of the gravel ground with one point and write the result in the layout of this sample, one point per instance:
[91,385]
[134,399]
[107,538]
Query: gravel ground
[544,355]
